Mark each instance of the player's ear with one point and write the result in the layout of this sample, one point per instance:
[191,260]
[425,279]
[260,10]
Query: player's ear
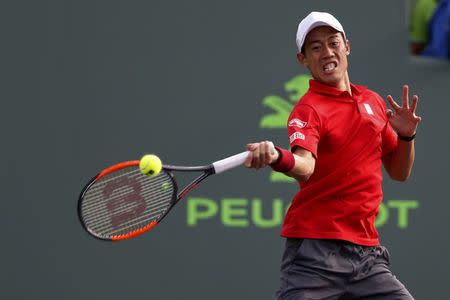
[347,46]
[302,59]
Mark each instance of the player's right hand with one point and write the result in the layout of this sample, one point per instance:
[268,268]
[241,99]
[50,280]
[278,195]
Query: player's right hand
[261,155]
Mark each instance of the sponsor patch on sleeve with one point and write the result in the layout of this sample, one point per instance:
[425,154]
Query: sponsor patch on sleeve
[296,136]
[297,123]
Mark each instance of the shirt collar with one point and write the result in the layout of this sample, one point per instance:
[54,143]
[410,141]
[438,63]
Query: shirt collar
[321,88]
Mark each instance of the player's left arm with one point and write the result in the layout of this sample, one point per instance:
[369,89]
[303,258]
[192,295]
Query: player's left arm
[404,121]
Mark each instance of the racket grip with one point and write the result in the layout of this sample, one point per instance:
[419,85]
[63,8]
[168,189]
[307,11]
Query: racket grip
[234,161]
[230,162]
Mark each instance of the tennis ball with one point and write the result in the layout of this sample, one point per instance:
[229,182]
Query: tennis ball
[150,165]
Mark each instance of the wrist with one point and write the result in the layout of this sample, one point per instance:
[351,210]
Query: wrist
[406,138]
[285,161]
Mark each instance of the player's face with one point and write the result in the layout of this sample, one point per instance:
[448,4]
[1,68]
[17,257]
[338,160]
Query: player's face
[325,55]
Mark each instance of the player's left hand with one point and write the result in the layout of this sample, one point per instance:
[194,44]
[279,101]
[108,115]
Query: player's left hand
[403,118]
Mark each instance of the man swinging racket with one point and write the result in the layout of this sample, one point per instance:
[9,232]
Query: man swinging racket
[340,134]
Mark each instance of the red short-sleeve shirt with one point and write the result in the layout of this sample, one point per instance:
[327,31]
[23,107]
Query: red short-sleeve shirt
[348,135]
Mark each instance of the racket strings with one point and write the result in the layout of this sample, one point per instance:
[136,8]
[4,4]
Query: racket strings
[126,200]
[91,209]
[103,223]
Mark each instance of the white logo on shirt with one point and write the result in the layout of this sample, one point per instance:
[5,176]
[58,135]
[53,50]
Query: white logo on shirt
[295,136]
[368,108]
[297,123]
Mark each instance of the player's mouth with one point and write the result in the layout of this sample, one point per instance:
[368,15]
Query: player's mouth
[329,67]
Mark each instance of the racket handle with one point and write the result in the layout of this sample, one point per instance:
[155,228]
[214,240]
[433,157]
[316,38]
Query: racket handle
[230,162]
[234,161]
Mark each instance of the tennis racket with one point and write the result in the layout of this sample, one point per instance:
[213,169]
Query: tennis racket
[120,202]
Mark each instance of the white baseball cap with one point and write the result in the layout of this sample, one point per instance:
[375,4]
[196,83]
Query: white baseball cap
[313,20]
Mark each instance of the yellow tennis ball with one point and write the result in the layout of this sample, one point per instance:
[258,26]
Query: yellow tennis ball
[150,165]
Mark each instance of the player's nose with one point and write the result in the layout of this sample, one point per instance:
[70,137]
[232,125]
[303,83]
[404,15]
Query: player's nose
[327,52]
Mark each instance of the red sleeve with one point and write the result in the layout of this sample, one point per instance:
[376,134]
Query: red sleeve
[304,128]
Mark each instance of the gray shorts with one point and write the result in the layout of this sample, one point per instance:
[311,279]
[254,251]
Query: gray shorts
[331,269]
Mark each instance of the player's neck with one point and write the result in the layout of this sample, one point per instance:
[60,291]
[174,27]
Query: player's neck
[344,84]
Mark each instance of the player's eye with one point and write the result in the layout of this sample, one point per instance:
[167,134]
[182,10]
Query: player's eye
[335,44]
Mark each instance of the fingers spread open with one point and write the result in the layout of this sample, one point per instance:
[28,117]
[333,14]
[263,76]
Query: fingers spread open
[415,99]
[389,113]
[405,97]
[391,101]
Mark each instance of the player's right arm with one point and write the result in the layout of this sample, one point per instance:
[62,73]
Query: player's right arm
[260,156]
[304,130]
[304,165]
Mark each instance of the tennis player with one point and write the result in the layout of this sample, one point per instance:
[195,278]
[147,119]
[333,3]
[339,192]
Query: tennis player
[340,134]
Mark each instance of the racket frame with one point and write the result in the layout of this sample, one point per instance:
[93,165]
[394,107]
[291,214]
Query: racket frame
[206,172]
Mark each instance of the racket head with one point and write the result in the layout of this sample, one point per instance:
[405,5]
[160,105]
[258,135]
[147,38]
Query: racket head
[120,202]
